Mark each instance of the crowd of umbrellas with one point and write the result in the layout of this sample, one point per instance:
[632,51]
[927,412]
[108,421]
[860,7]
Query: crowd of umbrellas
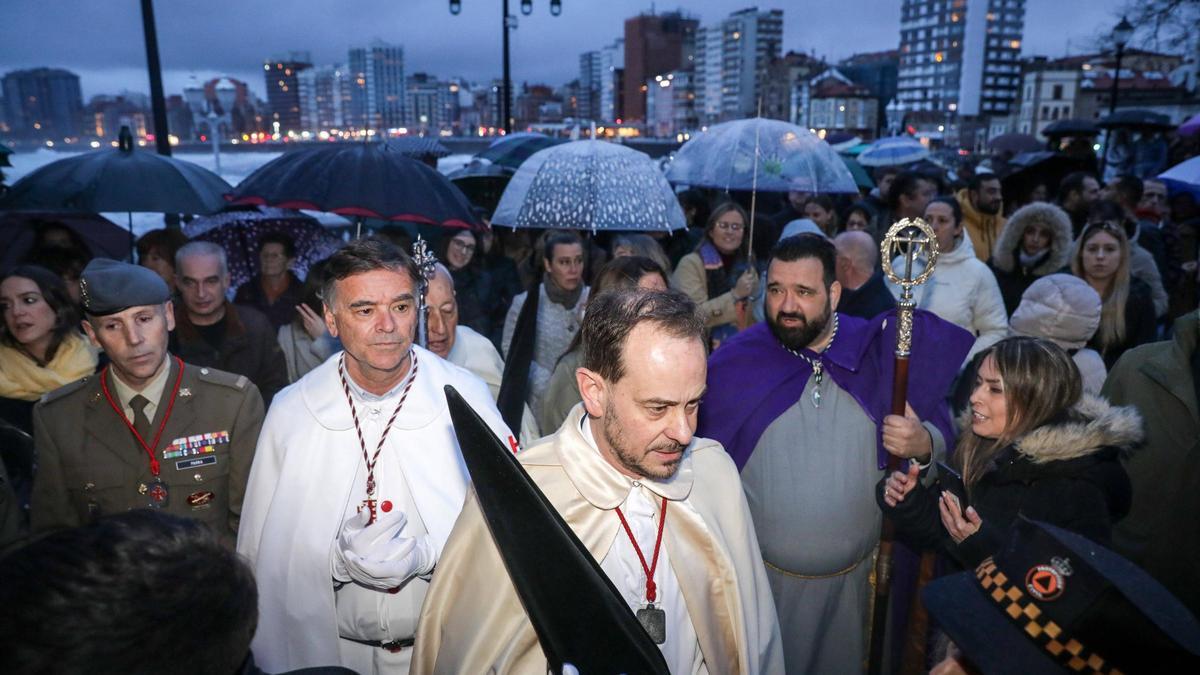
[524,180]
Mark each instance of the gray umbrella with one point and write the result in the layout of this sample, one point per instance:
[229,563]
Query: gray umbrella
[590,185]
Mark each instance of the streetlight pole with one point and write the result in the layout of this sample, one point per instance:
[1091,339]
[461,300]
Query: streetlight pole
[1120,35]
[508,23]
[506,90]
[162,138]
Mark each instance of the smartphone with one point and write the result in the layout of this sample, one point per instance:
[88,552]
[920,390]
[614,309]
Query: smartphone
[951,481]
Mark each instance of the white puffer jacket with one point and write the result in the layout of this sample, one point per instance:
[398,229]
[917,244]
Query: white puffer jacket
[962,291]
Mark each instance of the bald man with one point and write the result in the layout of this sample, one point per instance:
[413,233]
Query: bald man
[863,292]
[466,348]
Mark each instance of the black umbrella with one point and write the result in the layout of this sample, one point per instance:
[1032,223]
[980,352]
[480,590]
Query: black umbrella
[512,152]
[1071,127]
[579,617]
[1015,143]
[364,180]
[1136,119]
[121,179]
[1032,168]
[482,183]
[103,237]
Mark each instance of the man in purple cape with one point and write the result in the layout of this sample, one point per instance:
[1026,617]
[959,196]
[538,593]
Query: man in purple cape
[802,402]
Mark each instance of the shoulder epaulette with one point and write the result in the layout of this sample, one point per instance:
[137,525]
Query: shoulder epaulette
[65,390]
[222,378]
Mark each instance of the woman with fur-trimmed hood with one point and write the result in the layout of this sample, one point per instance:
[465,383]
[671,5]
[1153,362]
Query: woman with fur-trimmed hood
[1034,446]
[1035,242]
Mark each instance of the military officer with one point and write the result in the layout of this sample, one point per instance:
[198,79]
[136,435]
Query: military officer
[149,431]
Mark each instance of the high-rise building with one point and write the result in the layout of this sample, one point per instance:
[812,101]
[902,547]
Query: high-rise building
[282,77]
[43,104]
[601,83]
[960,57]
[877,71]
[655,44]
[324,98]
[671,104]
[590,73]
[731,61]
[378,86]
[429,106]
[106,114]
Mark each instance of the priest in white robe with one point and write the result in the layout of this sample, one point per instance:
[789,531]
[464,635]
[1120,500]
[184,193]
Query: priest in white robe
[466,348]
[624,465]
[365,436]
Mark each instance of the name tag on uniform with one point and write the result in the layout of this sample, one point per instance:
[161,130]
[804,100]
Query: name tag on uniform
[185,464]
[200,444]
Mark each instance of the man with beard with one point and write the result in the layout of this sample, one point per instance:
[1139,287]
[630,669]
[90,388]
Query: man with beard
[801,404]
[657,507]
[981,204]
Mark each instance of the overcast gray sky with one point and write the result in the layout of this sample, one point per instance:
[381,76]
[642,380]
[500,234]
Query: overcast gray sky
[101,40]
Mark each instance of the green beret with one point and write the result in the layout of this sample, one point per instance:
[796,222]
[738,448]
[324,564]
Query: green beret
[108,286]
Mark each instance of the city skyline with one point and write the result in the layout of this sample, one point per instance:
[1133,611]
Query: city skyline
[110,66]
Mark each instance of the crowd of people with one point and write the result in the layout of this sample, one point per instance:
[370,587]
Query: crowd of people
[739,371]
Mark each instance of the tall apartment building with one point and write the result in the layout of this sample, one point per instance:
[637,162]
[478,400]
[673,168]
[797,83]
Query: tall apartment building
[324,98]
[282,78]
[960,56]
[655,44]
[731,60]
[377,86]
[42,103]
[429,104]
[601,83]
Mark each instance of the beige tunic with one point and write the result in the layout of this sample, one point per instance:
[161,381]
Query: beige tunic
[473,621]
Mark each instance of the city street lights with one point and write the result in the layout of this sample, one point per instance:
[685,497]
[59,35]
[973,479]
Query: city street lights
[1121,34]
[509,22]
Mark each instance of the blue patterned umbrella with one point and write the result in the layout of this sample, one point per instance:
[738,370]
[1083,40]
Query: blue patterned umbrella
[590,185]
[788,158]
[893,151]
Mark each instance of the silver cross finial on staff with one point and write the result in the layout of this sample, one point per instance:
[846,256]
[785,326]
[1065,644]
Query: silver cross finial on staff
[426,264]
[910,239]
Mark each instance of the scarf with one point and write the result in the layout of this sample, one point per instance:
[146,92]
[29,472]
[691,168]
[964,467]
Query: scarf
[1028,262]
[560,296]
[21,378]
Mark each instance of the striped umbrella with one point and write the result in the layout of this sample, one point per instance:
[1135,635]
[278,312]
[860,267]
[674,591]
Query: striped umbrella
[892,151]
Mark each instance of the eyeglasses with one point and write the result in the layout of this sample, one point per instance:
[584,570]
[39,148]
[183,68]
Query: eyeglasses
[462,246]
[731,226]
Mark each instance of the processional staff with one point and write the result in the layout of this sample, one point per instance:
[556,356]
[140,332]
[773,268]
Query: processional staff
[909,239]
[426,264]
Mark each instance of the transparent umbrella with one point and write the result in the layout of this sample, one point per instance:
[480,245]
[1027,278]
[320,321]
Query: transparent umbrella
[589,185]
[893,151]
[763,155]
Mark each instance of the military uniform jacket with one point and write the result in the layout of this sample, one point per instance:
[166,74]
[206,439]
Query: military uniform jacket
[89,463]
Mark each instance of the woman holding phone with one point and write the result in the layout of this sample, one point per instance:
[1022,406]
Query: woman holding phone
[1034,445]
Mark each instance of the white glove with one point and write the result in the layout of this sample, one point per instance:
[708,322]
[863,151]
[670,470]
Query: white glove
[377,556]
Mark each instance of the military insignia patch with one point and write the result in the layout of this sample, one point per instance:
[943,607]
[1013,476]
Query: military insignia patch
[200,499]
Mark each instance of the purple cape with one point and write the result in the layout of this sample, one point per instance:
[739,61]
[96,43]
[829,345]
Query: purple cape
[752,379]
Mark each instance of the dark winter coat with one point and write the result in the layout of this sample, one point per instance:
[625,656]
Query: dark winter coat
[1014,277]
[250,348]
[1162,380]
[1066,473]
